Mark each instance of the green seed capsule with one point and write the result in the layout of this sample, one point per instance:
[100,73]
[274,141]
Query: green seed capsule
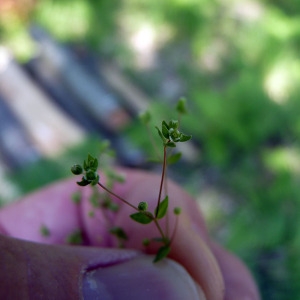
[77,169]
[91,175]
[146,242]
[177,210]
[143,206]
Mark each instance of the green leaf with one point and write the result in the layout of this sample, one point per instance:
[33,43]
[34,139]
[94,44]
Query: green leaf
[45,231]
[119,233]
[165,130]
[171,144]
[90,158]
[96,180]
[83,182]
[173,124]
[94,164]
[164,123]
[75,238]
[185,137]
[174,158]
[162,253]
[161,210]
[160,134]
[142,218]
[85,165]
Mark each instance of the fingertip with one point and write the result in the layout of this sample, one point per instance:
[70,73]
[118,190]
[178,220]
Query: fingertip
[190,250]
[238,279]
[140,278]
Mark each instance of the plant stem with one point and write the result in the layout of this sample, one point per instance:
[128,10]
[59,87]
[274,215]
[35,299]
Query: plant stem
[126,202]
[161,181]
[117,196]
[166,193]
[174,230]
[159,229]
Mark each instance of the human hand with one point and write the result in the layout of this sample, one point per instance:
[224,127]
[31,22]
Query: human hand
[47,269]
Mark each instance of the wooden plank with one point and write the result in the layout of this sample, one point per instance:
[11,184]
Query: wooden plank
[50,129]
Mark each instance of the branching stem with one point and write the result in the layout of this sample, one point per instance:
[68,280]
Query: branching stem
[128,203]
[162,180]
[159,228]
[174,230]
[117,196]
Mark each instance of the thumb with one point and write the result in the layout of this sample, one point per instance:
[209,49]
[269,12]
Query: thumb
[37,271]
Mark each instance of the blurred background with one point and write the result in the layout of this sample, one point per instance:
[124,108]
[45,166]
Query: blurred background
[73,73]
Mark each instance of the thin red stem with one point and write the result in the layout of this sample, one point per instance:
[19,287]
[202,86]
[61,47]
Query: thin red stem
[128,203]
[117,196]
[161,181]
[159,229]
[174,231]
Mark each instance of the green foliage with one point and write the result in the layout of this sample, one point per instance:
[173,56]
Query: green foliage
[170,134]
[142,217]
[162,208]
[162,253]
[75,238]
[146,242]
[90,176]
[119,233]
[177,211]
[45,231]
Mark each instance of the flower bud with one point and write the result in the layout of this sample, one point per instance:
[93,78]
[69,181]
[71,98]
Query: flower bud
[177,210]
[143,206]
[146,242]
[77,169]
[91,175]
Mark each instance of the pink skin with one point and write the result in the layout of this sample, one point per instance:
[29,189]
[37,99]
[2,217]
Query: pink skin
[38,268]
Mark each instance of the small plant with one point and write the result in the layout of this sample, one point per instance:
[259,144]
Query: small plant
[170,135]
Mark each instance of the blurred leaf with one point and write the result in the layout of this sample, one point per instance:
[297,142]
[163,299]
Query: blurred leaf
[172,159]
[162,209]
[141,217]
[162,253]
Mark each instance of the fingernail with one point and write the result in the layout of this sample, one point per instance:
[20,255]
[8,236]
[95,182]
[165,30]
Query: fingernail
[140,278]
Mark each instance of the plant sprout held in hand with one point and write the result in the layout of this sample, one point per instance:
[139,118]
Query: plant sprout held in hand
[170,136]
